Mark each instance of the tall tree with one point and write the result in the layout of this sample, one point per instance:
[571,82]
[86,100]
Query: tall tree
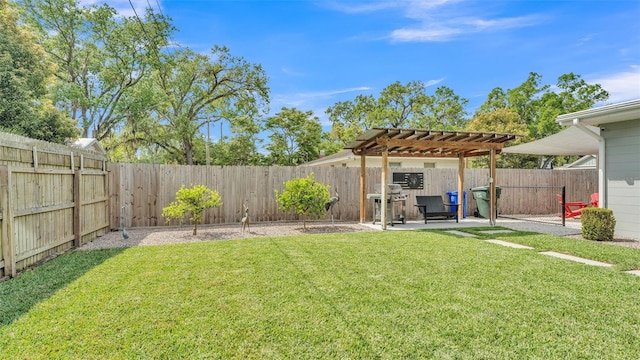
[538,105]
[446,111]
[295,137]
[504,120]
[25,108]
[100,56]
[573,94]
[398,106]
[351,118]
[196,88]
[402,106]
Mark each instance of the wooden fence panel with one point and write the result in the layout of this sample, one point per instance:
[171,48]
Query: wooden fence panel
[143,190]
[40,186]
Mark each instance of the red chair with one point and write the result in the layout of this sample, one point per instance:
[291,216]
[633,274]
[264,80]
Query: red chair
[595,198]
[571,209]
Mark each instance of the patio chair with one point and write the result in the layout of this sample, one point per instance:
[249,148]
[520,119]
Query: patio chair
[432,206]
[595,198]
[571,209]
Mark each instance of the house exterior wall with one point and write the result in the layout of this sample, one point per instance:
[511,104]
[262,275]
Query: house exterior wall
[622,151]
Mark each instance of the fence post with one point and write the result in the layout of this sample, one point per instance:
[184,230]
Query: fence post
[8,247]
[77,209]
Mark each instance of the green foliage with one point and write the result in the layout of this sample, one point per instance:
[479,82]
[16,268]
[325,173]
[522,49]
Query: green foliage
[502,120]
[398,106]
[305,196]
[537,105]
[100,58]
[25,108]
[598,224]
[192,201]
[295,137]
[195,88]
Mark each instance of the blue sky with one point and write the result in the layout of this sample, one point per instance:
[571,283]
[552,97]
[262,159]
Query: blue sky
[319,52]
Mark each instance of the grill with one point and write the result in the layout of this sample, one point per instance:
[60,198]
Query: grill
[396,201]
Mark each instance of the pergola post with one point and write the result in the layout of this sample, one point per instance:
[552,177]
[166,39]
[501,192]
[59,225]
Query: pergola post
[460,185]
[425,143]
[383,188]
[492,187]
[363,186]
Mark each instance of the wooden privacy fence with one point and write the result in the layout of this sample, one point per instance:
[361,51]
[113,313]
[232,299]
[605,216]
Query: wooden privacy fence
[140,191]
[52,198]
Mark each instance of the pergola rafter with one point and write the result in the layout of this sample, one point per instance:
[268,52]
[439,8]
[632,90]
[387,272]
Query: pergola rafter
[427,143]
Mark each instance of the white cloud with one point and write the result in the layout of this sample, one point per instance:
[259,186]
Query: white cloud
[309,100]
[438,20]
[624,85]
[434,28]
[423,35]
[433,82]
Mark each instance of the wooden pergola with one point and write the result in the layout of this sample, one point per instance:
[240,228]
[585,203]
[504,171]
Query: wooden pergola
[427,143]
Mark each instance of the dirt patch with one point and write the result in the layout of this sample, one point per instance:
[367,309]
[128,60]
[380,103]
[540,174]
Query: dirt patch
[175,235]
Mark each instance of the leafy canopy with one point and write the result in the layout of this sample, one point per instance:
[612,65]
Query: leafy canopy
[25,73]
[295,137]
[192,201]
[398,106]
[305,196]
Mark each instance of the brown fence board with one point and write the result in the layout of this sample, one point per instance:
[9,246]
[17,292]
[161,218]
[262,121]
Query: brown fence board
[40,187]
[144,189]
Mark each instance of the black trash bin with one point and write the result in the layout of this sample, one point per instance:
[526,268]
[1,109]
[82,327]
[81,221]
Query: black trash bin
[481,196]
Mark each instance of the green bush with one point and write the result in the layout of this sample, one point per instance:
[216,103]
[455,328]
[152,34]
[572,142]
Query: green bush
[193,201]
[305,196]
[598,224]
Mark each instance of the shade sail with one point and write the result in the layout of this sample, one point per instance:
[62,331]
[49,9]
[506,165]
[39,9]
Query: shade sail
[570,141]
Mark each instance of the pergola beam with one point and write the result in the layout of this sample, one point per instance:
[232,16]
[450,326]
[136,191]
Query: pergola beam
[426,143]
[436,144]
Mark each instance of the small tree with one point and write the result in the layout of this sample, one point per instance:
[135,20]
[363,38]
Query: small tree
[192,201]
[305,196]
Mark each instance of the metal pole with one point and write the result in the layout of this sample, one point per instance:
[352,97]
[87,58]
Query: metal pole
[208,139]
[563,205]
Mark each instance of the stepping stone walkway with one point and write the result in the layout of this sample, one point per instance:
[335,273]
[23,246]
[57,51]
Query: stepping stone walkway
[575,258]
[560,255]
[548,253]
[509,244]
[461,233]
[491,232]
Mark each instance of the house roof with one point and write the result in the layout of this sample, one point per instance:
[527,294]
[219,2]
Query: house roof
[427,143]
[342,155]
[574,141]
[628,110]
[570,141]
[89,144]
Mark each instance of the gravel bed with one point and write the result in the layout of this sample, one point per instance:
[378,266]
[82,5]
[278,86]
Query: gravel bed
[183,234]
[174,235]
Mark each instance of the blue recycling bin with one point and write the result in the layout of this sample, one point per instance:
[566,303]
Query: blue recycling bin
[453,199]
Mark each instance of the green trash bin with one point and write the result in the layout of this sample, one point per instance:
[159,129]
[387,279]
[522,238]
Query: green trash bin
[481,196]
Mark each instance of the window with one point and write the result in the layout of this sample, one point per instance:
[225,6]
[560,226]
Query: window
[395,164]
[429,165]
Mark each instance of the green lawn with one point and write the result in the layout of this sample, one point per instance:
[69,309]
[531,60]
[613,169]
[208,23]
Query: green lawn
[359,295]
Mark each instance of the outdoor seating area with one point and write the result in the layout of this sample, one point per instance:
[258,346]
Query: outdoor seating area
[594,200]
[574,208]
[571,208]
[432,206]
